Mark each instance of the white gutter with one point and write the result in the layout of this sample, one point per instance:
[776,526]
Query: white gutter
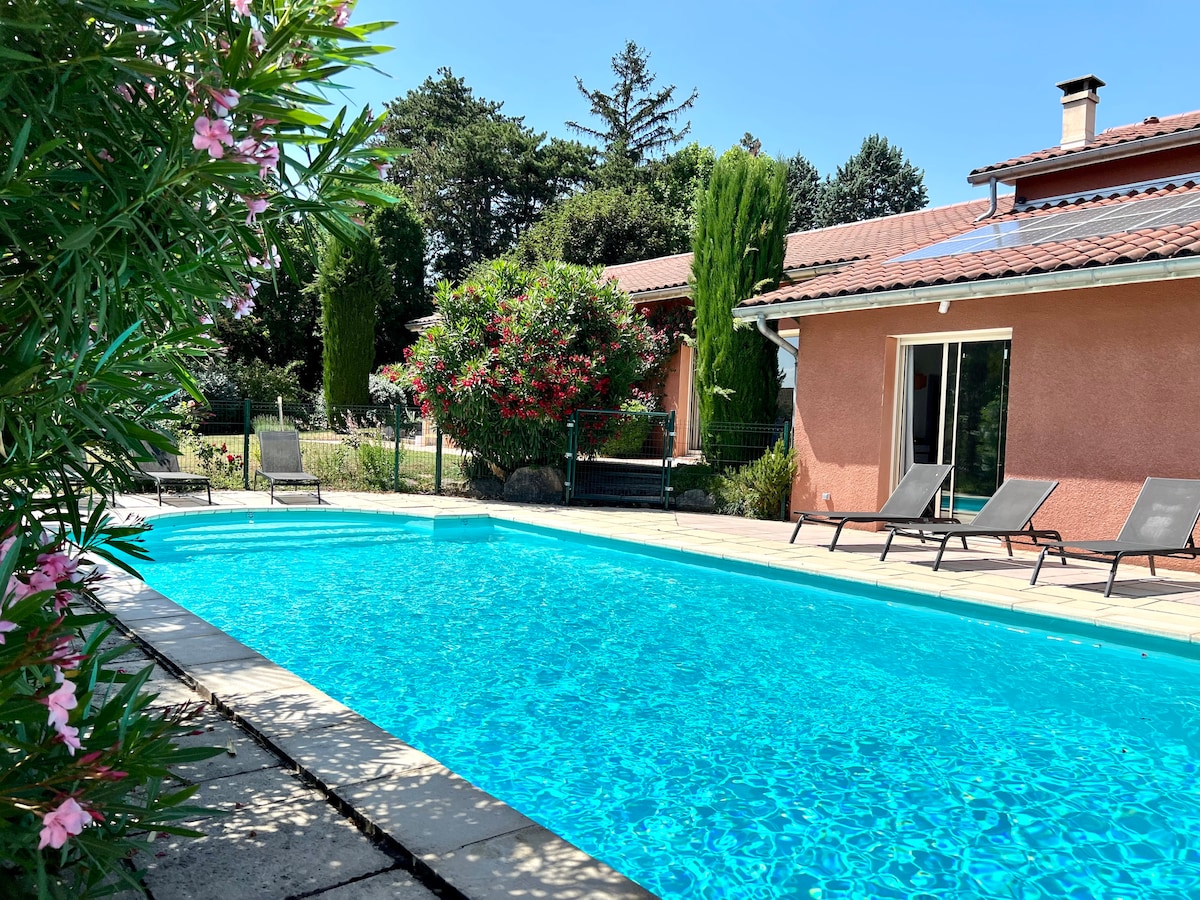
[1009,174]
[1100,276]
[773,336]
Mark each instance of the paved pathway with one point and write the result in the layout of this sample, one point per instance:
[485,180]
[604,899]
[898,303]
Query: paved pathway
[324,804]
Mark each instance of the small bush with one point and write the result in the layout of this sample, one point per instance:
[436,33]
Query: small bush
[692,476]
[376,466]
[272,423]
[630,433]
[757,490]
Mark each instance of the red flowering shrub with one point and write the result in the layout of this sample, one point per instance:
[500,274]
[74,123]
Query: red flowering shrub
[517,351]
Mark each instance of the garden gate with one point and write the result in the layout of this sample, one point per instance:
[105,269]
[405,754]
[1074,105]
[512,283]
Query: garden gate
[620,457]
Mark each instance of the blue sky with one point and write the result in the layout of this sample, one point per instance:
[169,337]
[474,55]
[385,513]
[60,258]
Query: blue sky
[955,84]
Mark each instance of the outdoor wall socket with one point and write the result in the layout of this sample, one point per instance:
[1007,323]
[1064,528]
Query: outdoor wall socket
[825,495]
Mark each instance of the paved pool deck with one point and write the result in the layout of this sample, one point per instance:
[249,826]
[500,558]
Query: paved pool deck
[324,804]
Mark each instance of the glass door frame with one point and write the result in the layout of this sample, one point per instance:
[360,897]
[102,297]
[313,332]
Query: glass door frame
[903,342]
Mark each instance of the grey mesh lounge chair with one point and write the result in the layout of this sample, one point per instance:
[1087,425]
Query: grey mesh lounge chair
[163,469]
[279,455]
[908,503]
[1008,513]
[1160,524]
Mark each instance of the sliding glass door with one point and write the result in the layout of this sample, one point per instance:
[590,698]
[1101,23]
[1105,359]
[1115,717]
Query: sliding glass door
[953,401]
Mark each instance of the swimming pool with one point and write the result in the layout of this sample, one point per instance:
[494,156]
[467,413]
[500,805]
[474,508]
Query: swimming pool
[713,733]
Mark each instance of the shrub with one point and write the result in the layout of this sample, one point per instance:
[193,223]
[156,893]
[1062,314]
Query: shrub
[385,388]
[757,490]
[519,350]
[630,433]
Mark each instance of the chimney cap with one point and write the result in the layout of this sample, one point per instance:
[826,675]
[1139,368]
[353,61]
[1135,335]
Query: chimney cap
[1079,85]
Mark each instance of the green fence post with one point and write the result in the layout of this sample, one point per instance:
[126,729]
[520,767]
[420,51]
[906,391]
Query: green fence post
[246,444]
[787,446]
[437,465]
[396,451]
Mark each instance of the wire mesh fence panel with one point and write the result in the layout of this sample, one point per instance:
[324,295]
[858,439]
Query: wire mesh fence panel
[730,445]
[620,456]
[362,448]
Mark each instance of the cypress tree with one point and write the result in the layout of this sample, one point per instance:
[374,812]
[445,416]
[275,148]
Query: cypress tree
[738,250]
[351,281]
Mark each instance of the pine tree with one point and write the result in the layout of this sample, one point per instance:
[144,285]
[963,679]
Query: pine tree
[397,231]
[876,181]
[804,192]
[636,119]
[352,278]
[738,252]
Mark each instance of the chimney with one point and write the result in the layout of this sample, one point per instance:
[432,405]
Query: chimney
[1079,111]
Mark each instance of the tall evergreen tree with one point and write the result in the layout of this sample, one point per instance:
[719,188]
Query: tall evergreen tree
[738,252]
[804,193]
[352,278]
[876,181]
[636,120]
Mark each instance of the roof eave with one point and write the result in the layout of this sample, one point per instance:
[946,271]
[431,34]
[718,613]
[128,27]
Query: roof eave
[790,276]
[1071,279]
[1087,157]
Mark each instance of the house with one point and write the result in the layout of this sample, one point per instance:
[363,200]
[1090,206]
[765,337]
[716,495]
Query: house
[1050,332]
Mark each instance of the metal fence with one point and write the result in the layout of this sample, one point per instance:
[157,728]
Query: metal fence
[614,455]
[362,448]
[729,445]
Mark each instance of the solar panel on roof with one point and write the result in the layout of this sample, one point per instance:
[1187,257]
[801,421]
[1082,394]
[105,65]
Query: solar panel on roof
[1099,221]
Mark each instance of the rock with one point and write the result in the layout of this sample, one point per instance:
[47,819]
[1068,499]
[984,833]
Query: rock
[695,500]
[535,484]
[485,488]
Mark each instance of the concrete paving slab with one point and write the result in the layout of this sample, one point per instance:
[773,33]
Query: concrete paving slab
[213,731]
[266,854]
[397,885]
[213,647]
[243,676]
[263,789]
[432,811]
[285,713]
[533,862]
[345,755]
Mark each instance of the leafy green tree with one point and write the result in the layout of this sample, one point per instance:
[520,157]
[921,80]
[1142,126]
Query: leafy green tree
[738,252]
[147,150]
[479,178]
[352,278]
[285,323]
[804,193]
[636,120]
[517,351]
[876,181]
[604,227]
[401,239]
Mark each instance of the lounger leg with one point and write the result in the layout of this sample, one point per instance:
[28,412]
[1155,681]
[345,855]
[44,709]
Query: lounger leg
[937,560]
[159,484]
[837,533]
[1008,544]
[318,493]
[796,530]
[1038,568]
[272,492]
[887,545]
[1112,573]
[964,540]
[1150,559]
[208,487]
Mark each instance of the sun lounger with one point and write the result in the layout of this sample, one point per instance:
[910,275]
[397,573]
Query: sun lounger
[909,503]
[280,463]
[1008,513]
[1160,524]
[163,469]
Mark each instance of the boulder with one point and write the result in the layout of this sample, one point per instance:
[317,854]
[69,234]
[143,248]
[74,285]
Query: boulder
[535,484]
[695,500]
[485,488]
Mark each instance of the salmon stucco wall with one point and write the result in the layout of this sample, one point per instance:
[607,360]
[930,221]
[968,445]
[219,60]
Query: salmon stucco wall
[1104,391]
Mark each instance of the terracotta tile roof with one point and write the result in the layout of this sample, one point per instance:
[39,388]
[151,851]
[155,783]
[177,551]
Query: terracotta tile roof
[652,274]
[880,240]
[1151,127]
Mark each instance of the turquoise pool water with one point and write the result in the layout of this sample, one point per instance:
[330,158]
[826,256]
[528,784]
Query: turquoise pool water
[714,734]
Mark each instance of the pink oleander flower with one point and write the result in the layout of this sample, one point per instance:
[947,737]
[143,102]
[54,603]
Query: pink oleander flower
[67,819]
[228,300]
[223,102]
[257,41]
[6,627]
[59,567]
[61,702]
[241,7]
[382,168]
[268,160]
[125,92]
[38,582]
[255,205]
[242,307]
[341,16]
[210,135]
[206,319]
[104,155]
[69,735]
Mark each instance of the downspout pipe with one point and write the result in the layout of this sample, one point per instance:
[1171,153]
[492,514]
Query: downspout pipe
[991,210]
[761,321]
